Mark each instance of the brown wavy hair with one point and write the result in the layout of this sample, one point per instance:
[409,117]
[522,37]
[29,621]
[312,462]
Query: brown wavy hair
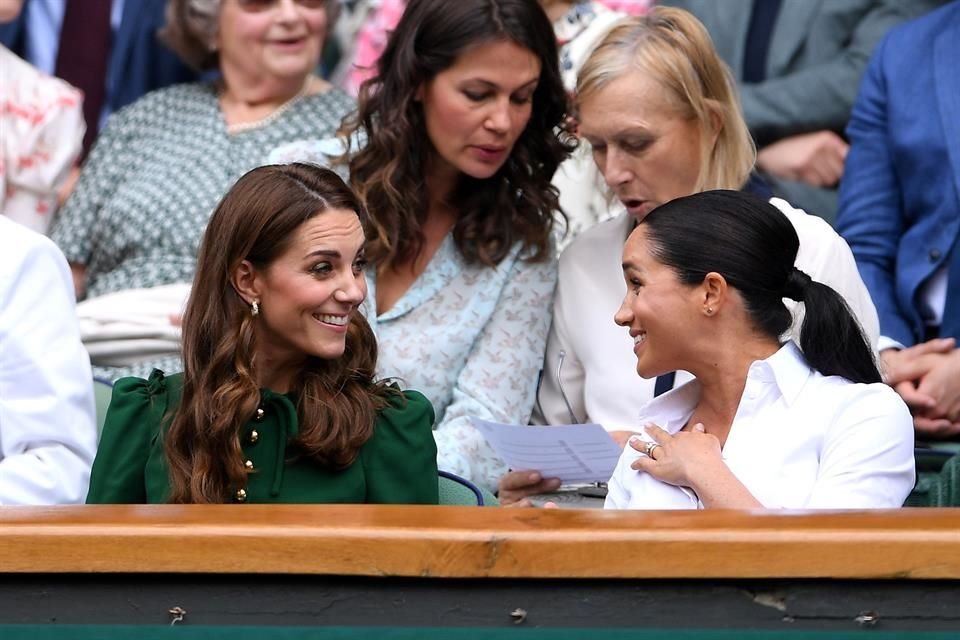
[337,400]
[518,203]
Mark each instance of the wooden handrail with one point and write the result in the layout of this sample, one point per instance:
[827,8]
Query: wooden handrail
[463,542]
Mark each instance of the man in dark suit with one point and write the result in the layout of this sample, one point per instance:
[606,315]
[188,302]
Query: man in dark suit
[136,62]
[900,211]
[797,64]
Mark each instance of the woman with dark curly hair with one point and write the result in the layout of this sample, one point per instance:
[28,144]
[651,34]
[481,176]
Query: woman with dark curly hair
[463,128]
[277,401]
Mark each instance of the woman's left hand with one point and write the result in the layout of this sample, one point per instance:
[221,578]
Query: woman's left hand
[681,459]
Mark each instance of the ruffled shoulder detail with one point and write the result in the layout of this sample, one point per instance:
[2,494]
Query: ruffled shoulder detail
[131,429]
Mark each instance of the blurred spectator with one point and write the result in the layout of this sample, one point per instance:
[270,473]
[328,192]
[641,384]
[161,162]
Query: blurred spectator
[900,211]
[132,226]
[797,65]
[579,25]
[106,48]
[42,126]
[379,17]
[375,20]
[629,7]
[47,429]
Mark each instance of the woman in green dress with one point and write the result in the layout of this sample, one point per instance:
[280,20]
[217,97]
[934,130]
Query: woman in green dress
[277,401]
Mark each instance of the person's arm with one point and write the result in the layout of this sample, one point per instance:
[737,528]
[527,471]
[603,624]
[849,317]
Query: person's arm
[866,460]
[820,96]
[814,158]
[401,464]
[47,427]
[499,379]
[870,216]
[942,384]
[927,377]
[561,357]
[131,425]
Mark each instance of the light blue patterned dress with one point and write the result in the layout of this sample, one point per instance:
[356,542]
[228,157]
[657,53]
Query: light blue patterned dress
[471,339]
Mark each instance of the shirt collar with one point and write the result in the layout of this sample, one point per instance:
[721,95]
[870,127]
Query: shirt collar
[786,368]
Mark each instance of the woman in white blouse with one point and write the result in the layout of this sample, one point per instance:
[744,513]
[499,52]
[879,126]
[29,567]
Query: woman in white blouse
[764,424]
[659,111]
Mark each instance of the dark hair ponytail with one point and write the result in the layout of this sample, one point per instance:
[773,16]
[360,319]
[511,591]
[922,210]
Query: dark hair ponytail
[754,247]
[831,339]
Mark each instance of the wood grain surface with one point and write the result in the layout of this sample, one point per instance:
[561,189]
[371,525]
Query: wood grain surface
[463,542]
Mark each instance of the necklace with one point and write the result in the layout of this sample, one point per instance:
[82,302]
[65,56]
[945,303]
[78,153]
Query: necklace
[271,117]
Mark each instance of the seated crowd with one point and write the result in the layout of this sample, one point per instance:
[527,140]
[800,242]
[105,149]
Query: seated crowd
[300,296]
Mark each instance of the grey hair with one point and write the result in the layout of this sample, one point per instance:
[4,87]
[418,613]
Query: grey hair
[192,25]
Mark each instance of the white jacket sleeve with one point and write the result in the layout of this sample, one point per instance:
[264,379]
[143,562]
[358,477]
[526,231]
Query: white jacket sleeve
[47,427]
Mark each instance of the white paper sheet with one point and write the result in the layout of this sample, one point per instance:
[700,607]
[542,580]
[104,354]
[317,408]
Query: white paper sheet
[572,452]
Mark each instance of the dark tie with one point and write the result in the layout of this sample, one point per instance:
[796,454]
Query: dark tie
[763,17]
[950,327]
[83,55]
[664,383]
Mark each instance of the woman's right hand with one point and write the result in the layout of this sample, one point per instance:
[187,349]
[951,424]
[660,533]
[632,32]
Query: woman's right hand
[515,487]
[622,437]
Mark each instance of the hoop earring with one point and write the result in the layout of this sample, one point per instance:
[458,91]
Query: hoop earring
[255,308]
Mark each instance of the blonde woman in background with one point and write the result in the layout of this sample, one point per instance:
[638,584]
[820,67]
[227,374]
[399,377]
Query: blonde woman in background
[658,108]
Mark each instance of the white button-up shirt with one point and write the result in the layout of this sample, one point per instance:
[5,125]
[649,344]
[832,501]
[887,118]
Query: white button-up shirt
[799,440]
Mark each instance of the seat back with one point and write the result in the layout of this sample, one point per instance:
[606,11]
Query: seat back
[102,392]
[937,488]
[455,490]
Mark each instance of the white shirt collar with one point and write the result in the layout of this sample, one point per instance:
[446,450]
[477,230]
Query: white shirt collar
[786,368]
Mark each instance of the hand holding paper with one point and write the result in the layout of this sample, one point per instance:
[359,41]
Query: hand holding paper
[574,453]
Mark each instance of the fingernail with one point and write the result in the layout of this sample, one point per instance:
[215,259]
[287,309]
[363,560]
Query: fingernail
[534,477]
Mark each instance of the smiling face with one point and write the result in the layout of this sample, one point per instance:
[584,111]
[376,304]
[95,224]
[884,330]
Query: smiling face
[476,109]
[659,310]
[308,294]
[282,39]
[646,151]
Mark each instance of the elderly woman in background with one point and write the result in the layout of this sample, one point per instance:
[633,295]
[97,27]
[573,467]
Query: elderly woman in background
[132,226]
[277,401]
[464,129]
[659,110]
[803,424]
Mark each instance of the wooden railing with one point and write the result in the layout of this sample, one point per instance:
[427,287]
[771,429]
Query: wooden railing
[463,542]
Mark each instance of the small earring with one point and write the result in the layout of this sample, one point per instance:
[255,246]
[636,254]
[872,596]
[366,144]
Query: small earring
[709,311]
[255,308]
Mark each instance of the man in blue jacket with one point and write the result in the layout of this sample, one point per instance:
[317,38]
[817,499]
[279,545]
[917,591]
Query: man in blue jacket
[900,211]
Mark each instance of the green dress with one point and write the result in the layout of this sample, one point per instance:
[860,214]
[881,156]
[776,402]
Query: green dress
[397,465]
